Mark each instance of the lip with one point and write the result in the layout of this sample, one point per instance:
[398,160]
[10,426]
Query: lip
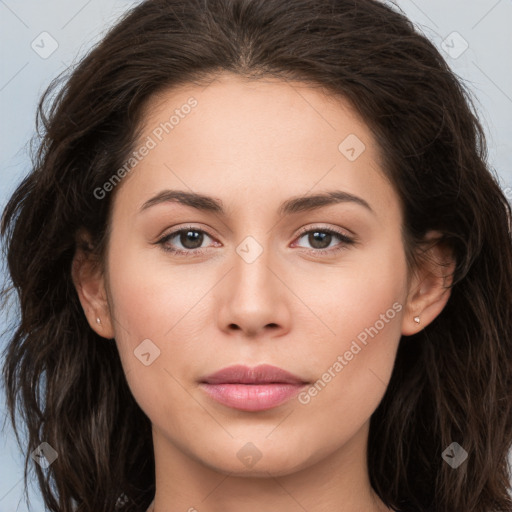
[252,389]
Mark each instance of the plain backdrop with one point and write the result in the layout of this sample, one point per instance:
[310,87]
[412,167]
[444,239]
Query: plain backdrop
[41,39]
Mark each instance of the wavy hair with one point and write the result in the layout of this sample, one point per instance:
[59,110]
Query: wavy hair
[452,381]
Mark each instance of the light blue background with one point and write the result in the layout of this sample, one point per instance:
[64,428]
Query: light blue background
[76,25]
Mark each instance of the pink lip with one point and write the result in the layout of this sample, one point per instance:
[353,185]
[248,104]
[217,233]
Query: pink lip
[252,389]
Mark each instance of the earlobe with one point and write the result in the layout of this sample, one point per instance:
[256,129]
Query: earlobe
[90,286]
[430,287]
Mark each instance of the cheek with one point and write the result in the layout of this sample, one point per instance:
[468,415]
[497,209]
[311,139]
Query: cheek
[357,357]
[361,313]
[150,297]
[354,372]
[158,318]
[363,293]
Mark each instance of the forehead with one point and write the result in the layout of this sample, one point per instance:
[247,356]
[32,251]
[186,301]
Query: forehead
[252,138]
[276,113]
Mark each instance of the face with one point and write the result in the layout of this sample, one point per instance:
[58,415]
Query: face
[262,273]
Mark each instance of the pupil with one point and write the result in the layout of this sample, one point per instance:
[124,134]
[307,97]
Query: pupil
[323,237]
[191,239]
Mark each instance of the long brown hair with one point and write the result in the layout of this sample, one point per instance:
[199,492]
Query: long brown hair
[452,382]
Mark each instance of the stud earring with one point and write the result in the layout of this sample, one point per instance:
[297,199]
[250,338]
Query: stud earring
[417,319]
[98,320]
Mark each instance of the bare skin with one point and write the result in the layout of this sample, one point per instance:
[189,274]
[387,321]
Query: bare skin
[253,145]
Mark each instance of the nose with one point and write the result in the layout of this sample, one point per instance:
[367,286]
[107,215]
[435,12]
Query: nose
[254,298]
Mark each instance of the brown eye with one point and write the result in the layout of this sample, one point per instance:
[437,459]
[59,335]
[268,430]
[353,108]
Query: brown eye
[185,241]
[191,239]
[320,240]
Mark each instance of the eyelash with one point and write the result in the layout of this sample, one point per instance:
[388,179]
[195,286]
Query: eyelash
[345,241]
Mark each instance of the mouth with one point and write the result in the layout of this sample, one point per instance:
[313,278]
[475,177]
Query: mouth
[252,389]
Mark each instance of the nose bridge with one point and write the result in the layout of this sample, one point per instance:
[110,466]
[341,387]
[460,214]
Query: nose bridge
[252,262]
[253,298]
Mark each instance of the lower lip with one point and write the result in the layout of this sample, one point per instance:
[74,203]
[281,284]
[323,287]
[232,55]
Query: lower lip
[252,397]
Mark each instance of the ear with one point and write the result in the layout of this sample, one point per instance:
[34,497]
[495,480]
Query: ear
[429,287]
[89,282]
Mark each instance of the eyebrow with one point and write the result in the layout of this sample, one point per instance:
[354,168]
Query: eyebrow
[290,206]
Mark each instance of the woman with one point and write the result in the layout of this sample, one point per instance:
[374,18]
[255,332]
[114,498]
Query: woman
[181,348]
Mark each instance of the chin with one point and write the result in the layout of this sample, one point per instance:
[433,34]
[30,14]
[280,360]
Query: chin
[250,461]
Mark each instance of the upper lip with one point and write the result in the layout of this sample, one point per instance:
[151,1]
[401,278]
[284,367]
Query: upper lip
[261,374]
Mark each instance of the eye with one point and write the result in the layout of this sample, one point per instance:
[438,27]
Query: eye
[321,238]
[190,238]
